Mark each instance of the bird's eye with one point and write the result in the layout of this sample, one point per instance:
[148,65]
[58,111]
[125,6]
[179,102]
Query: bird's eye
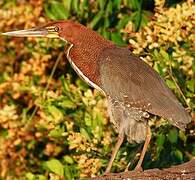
[56,28]
[53,28]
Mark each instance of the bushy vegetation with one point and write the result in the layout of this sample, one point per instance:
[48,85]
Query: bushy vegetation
[52,125]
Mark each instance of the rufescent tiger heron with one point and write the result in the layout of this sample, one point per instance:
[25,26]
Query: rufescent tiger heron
[133,89]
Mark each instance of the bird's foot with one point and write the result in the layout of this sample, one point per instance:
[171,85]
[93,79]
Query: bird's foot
[106,173]
[138,168]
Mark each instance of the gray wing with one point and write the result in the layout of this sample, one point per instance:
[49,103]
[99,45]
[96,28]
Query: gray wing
[130,80]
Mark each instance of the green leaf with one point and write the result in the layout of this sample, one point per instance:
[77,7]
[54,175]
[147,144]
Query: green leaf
[68,173]
[135,4]
[116,37]
[144,20]
[41,177]
[123,22]
[87,119]
[102,4]
[36,79]
[156,54]
[56,113]
[136,19]
[178,155]
[59,10]
[83,7]
[65,85]
[96,19]
[117,4]
[164,54]
[68,159]
[191,85]
[48,12]
[182,136]
[56,10]
[106,23]
[85,133]
[67,5]
[106,34]
[75,6]
[55,166]
[57,132]
[160,140]
[109,8]
[4,132]
[81,84]
[158,68]
[170,84]
[67,103]
[30,176]
[173,136]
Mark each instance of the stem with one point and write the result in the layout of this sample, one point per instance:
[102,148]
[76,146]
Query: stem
[177,86]
[46,88]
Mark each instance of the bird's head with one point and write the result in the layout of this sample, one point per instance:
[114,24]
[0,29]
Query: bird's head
[65,29]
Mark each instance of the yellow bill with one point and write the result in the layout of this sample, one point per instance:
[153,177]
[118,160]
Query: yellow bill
[49,32]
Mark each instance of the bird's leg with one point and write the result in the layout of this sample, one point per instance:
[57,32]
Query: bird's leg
[147,141]
[114,152]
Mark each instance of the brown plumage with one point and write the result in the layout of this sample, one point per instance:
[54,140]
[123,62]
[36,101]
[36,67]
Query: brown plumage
[134,90]
[137,88]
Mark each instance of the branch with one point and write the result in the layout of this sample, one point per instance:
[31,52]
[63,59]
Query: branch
[184,171]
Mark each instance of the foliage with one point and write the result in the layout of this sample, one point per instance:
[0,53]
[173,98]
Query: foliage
[52,125]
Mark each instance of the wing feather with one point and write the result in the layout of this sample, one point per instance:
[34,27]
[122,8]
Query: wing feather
[130,80]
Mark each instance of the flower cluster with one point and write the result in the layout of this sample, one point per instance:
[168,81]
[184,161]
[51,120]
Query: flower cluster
[171,28]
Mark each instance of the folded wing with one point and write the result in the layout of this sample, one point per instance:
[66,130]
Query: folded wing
[130,80]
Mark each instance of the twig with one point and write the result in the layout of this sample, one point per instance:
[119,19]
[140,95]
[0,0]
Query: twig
[46,88]
[184,171]
[177,86]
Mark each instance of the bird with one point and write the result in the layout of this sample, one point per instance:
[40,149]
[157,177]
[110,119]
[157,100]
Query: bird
[134,91]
